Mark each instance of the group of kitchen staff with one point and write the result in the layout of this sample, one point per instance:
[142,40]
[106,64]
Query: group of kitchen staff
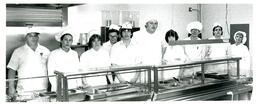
[145,47]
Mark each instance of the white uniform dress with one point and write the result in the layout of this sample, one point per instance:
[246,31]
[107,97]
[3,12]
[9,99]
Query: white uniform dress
[173,55]
[125,56]
[65,62]
[194,53]
[92,60]
[243,52]
[29,63]
[216,51]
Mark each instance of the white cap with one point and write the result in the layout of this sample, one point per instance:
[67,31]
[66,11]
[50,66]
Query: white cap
[32,30]
[244,36]
[194,25]
[115,27]
[126,25]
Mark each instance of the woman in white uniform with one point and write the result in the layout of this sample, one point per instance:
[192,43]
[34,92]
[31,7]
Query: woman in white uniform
[65,60]
[125,53]
[94,59]
[174,54]
[217,50]
[193,52]
[238,49]
[217,31]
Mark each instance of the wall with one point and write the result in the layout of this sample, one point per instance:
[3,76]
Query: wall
[176,16]
[15,38]
[236,14]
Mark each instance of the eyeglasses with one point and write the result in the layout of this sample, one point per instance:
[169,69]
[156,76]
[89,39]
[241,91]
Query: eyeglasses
[112,36]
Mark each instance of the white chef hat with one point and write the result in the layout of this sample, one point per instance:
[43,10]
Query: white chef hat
[152,17]
[151,20]
[63,31]
[114,26]
[194,25]
[244,36]
[126,25]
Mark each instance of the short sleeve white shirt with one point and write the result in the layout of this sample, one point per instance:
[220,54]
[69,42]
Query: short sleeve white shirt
[29,63]
[65,62]
[92,60]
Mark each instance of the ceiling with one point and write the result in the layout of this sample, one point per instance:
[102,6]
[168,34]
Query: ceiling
[41,6]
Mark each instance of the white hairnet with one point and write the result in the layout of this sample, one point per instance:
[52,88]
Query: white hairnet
[244,36]
[194,25]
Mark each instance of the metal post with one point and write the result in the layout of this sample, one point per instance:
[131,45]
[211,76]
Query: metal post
[155,79]
[149,79]
[59,86]
[65,89]
[203,71]
[228,69]
[238,69]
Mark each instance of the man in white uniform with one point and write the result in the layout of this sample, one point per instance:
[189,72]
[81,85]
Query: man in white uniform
[150,42]
[151,46]
[29,60]
[65,60]
[113,34]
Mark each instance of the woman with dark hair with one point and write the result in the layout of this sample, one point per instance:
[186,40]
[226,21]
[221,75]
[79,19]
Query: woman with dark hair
[125,52]
[217,31]
[64,59]
[94,59]
[217,50]
[174,54]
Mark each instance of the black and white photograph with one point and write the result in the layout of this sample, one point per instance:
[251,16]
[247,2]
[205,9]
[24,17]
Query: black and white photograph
[128,52]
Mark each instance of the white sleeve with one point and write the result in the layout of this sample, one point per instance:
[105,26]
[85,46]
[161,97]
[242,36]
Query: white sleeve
[51,67]
[83,61]
[113,55]
[14,61]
